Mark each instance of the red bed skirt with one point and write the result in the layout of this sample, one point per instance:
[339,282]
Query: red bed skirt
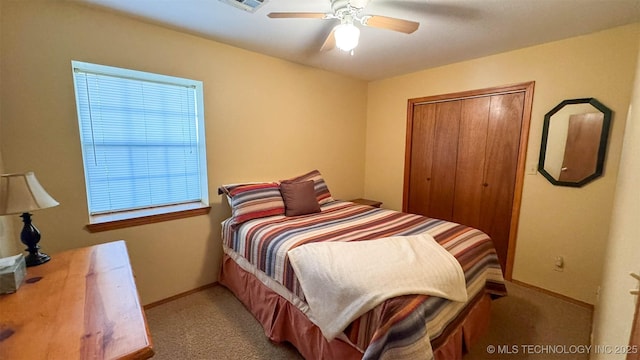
[282,321]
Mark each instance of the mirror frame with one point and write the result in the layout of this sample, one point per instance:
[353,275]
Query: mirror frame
[602,149]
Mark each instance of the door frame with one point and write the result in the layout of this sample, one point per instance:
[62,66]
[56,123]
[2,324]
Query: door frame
[527,88]
[634,338]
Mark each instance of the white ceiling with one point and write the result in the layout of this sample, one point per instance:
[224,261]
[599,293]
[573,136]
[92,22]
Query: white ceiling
[450,30]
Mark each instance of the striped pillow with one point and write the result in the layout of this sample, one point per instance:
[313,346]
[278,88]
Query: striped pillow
[252,201]
[320,187]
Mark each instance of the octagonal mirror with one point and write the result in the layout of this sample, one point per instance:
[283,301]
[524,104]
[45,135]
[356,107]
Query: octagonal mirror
[574,142]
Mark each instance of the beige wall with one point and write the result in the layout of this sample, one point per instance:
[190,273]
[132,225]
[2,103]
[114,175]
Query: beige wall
[614,312]
[569,222]
[266,119]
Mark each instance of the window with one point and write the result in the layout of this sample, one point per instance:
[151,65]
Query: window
[142,138]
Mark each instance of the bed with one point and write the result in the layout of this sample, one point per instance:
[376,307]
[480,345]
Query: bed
[269,226]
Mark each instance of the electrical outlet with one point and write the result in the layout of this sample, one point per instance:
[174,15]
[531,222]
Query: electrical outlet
[559,264]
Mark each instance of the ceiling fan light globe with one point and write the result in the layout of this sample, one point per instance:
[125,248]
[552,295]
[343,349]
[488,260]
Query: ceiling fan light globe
[347,36]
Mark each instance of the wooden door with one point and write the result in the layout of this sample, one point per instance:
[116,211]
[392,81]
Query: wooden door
[472,141]
[475,146]
[501,164]
[421,158]
[488,143]
[581,150]
[433,159]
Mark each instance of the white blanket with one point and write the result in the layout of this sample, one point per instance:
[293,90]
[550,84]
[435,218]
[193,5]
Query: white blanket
[343,280]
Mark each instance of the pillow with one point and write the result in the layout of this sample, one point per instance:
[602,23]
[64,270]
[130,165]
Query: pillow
[320,187]
[299,198]
[253,201]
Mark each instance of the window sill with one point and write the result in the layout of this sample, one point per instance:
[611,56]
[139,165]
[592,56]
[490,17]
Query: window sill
[148,216]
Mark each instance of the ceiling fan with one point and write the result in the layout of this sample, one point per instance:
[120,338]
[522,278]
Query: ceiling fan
[345,36]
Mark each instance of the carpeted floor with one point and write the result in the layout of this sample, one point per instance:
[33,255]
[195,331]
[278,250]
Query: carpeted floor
[213,324]
[532,325]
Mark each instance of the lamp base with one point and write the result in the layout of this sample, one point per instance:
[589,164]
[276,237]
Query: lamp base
[35,259]
[30,236]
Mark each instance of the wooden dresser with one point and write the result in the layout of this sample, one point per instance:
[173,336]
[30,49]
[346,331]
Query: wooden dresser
[83,304]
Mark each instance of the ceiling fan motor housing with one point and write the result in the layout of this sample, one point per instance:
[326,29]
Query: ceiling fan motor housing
[342,5]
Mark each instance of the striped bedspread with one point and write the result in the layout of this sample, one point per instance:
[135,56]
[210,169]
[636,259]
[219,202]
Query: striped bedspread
[399,327]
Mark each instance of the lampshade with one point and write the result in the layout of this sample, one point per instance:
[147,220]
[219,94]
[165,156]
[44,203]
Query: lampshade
[21,193]
[347,36]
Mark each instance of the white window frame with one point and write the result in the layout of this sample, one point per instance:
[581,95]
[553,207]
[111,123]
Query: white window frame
[132,217]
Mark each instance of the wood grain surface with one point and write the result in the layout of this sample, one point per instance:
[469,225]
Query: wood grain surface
[83,304]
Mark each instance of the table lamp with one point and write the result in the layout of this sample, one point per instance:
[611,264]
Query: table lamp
[22,193]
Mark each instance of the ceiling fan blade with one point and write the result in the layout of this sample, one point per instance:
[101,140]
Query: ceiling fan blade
[389,23]
[330,41]
[289,15]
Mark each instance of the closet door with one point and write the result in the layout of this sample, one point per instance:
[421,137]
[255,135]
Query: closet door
[424,121]
[433,157]
[464,160]
[501,162]
[472,142]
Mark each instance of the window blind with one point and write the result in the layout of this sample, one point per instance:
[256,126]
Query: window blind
[140,141]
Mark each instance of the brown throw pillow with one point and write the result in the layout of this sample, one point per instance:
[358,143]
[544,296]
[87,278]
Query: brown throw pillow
[299,198]
[322,191]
